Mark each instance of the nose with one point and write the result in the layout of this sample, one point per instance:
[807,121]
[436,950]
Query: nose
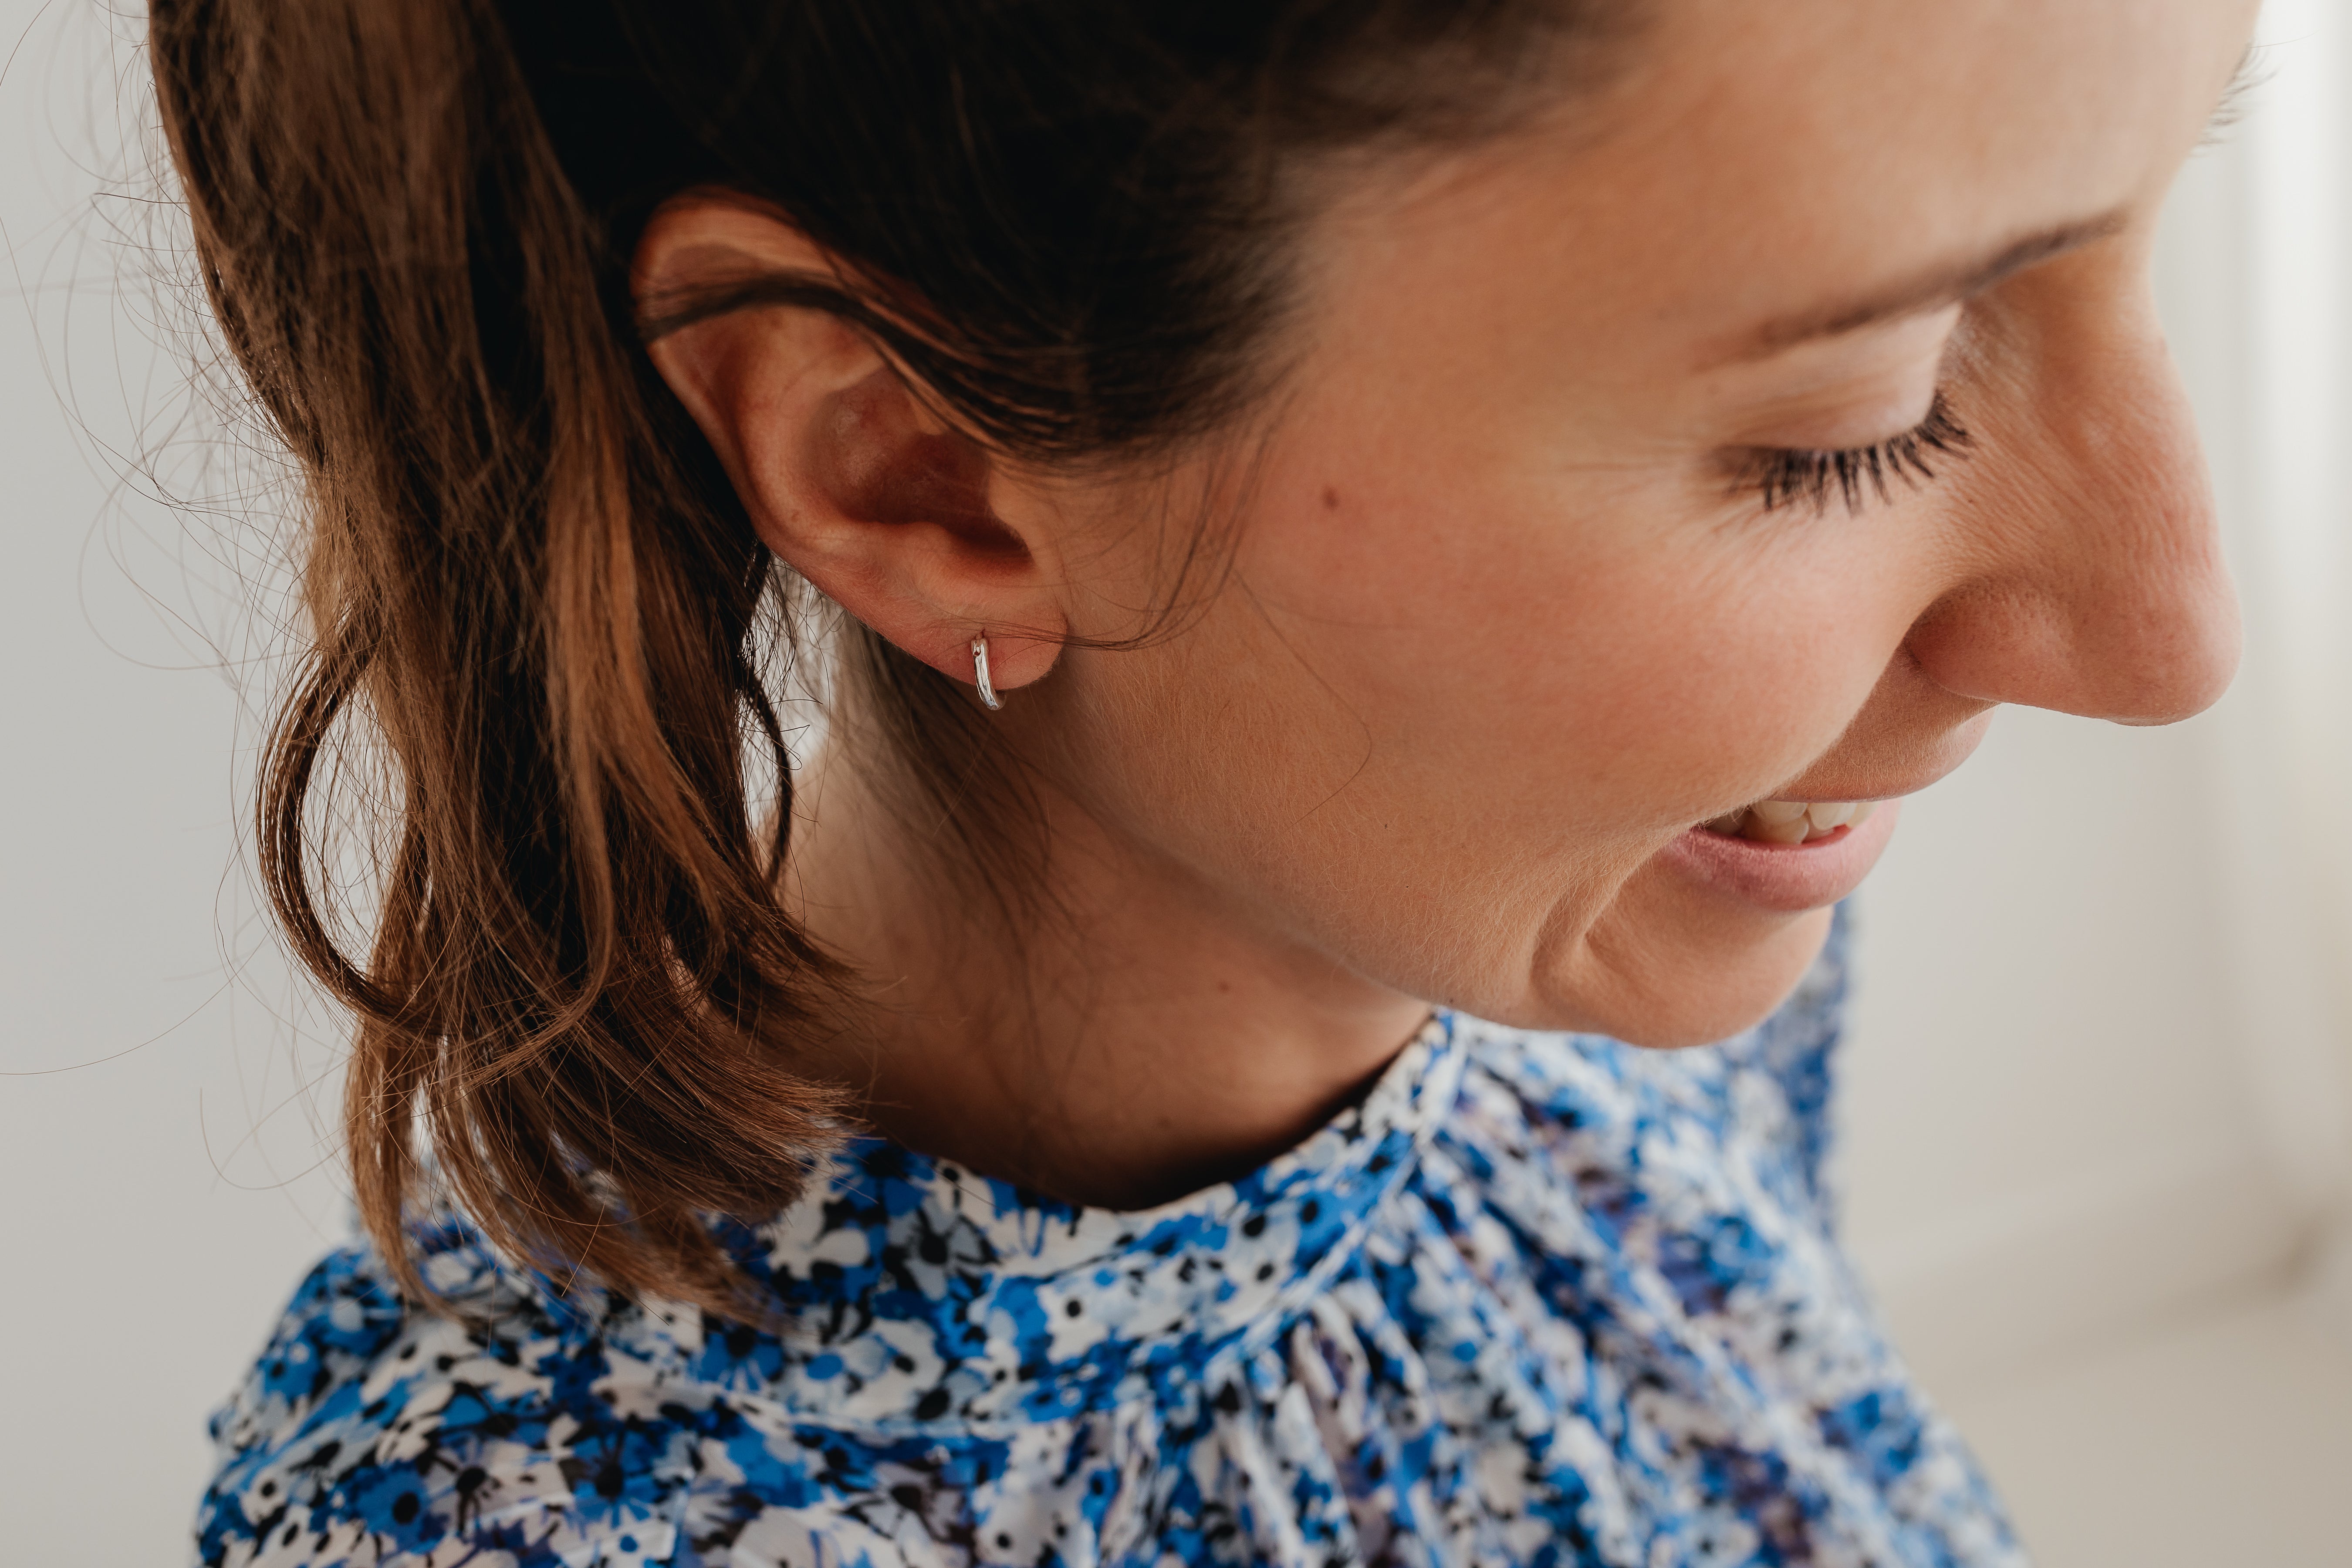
[2088,572]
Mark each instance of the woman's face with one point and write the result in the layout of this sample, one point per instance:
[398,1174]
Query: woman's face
[1508,617]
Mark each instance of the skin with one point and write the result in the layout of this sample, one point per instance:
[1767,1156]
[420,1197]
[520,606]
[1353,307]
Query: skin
[1502,623]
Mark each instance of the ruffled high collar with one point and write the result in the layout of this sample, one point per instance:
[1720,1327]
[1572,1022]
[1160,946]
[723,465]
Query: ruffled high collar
[920,1291]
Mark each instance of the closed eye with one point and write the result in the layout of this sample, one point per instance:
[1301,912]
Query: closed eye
[1801,476]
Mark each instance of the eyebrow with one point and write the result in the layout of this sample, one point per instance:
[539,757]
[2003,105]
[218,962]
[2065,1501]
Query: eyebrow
[1925,290]
[1941,286]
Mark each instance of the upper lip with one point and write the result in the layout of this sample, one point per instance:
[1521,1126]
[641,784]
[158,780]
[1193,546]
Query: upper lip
[1811,795]
[1859,786]
[1835,778]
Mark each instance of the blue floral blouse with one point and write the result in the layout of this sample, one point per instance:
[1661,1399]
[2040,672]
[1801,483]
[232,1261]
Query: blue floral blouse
[1540,1299]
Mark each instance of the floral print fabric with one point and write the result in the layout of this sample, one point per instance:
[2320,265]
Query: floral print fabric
[1540,1300]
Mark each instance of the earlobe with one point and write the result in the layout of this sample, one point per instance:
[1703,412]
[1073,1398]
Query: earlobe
[847,476]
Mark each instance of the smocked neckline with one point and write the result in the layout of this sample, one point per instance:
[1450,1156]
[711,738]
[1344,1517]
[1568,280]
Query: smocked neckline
[1403,1102]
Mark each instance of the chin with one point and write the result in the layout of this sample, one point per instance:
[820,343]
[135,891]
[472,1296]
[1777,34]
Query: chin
[1670,988]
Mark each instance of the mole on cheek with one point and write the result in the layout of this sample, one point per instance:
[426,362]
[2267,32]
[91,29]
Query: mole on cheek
[1331,498]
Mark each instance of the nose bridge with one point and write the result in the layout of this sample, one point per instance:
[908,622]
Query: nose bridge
[2094,583]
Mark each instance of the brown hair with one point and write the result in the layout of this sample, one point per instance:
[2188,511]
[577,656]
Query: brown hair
[525,575]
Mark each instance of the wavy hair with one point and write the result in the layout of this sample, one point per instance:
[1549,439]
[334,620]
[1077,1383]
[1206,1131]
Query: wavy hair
[582,1008]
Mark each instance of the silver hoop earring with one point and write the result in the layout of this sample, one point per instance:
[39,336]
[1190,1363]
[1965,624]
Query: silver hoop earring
[980,674]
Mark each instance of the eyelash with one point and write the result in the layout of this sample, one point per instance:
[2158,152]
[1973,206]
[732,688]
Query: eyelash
[1786,475]
[2253,75]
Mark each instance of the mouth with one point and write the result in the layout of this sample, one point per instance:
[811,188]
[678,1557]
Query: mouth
[1785,856]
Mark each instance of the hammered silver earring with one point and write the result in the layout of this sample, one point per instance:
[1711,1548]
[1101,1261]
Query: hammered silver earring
[980,674]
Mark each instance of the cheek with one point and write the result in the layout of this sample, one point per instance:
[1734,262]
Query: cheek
[1436,732]
[1604,672]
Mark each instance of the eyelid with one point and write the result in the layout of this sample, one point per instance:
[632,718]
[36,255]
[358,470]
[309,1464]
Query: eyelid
[1845,392]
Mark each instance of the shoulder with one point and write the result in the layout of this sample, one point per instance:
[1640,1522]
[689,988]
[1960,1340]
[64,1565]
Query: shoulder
[540,1430]
[370,1432]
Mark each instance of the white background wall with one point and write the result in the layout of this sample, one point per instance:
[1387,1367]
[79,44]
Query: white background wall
[2096,1072]
[163,1187]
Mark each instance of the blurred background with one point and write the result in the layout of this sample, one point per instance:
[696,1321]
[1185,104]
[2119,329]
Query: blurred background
[2097,1108]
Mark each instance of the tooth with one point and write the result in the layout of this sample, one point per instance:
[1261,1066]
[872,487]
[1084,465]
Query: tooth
[1728,824]
[1830,814]
[1861,810]
[1778,812]
[1789,832]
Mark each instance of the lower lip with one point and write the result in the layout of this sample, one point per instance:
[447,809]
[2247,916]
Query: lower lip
[1788,877]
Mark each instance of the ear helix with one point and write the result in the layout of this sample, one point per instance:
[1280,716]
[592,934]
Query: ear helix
[980,674]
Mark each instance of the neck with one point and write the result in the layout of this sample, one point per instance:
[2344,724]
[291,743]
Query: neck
[1121,1037]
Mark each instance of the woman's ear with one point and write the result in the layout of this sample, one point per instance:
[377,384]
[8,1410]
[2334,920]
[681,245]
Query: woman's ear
[847,476]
